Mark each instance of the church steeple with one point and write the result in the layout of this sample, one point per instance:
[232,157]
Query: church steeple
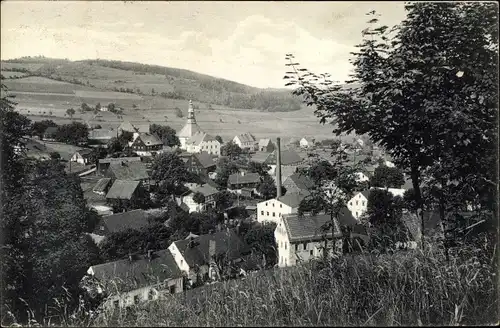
[191,119]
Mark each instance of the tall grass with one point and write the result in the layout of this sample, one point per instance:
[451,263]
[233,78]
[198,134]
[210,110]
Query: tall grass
[407,288]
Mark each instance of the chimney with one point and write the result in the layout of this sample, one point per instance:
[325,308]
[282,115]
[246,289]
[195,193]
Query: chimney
[211,249]
[278,168]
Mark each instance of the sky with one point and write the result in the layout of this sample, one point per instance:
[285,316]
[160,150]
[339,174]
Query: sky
[240,41]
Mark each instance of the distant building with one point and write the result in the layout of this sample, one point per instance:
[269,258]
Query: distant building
[290,161]
[272,210]
[361,177]
[297,183]
[101,137]
[266,145]
[200,163]
[104,163]
[306,142]
[135,219]
[358,204]
[124,191]
[207,191]
[238,181]
[202,142]
[190,129]
[33,149]
[147,144]
[135,280]
[246,141]
[132,171]
[82,156]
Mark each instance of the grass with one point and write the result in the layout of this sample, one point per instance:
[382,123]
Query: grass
[408,288]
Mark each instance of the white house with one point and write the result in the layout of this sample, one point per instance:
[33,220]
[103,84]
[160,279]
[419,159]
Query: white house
[358,204]
[246,141]
[82,156]
[361,177]
[206,190]
[306,142]
[272,210]
[140,278]
[202,141]
[300,239]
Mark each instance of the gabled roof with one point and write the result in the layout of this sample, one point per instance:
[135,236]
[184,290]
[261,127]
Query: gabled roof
[206,190]
[293,199]
[200,137]
[122,189]
[189,130]
[246,137]
[301,181]
[149,139]
[127,126]
[101,185]
[205,159]
[118,160]
[237,178]
[129,171]
[84,152]
[308,227]
[135,219]
[265,142]
[140,272]
[288,157]
[259,156]
[225,242]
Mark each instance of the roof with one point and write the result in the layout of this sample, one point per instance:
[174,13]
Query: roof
[237,178]
[122,189]
[135,219]
[127,126]
[288,157]
[84,152]
[308,227]
[101,134]
[205,159]
[189,130]
[264,142]
[301,181]
[259,156]
[199,137]
[206,190]
[119,160]
[101,185]
[293,199]
[149,139]
[225,242]
[141,271]
[246,137]
[129,171]
[394,191]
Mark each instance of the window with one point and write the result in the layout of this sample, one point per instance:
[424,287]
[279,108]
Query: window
[261,212]
[279,214]
[281,205]
[267,213]
[172,289]
[305,246]
[273,204]
[311,252]
[356,214]
[285,245]
[296,247]
[182,262]
[363,203]
[266,204]
[136,299]
[274,214]
[285,261]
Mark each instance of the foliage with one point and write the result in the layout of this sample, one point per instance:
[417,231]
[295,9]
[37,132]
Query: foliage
[231,150]
[75,133]
[199,198]
[225,168]
[267,187]
[260,238]
[387,177]
[223,200]
[166,134]
[55,155]
[70,112]
[85,108]
[219,139]
[384,213]
[178,112]
[170,174]
[38,128]
[260,168]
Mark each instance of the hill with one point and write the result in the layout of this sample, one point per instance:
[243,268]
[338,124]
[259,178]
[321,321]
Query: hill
[152,80]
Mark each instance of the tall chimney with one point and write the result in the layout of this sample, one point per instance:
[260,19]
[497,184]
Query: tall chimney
[211,249]
[278,168]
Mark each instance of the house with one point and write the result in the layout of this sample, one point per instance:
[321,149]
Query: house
[272,210]
[290,161]
[259,156]
[139,278]
[203,142]
[194,256]
[237,181]
[104,163]
[266,145]
[306,142]
[50,133]
[207,191]
[200,163]
[190,129]
[300,239]
[246,141]
[135,219]
[147,144]
[297,182]
[358,204]
[133,171]
[103,109]
[102,186]
[83,156]
[101,137]
[361,177]
[124,190]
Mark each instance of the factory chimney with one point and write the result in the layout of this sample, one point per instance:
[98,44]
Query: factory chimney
[278,168]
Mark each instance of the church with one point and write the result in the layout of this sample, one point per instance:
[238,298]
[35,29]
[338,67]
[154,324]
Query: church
[190,129]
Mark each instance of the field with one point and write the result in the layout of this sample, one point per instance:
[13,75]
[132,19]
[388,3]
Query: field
[11,74]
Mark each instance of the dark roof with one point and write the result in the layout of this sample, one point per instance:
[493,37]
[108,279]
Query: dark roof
[122,189]
[345,218]
[288,157]
[129,171]
[205,159]
[135,219]
[237,178]
[301,181]
[225,242]
[308,227]
[150,139]
[259,156]
[206,190]
[140,272]
[101,185]
[293,199]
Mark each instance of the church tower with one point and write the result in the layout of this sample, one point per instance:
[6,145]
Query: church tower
[191,127]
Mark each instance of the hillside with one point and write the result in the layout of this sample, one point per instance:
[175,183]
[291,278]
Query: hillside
[152,80]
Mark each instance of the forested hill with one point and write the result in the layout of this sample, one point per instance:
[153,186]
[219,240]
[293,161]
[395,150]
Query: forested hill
[154,80]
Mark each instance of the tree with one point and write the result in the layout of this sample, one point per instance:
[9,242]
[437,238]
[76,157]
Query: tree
[260,168]
[387,177]
[199,198]
[170,174]
[75,133]
[55,155]
[70,112]
[98,106]
[166,134]
[225,168]
[219,139]
[397,96]
[260,238]
[178,112]
[231,150]
[267,187]
[114,146]
[111,107]
[38,128]
[223,200]
[85,108]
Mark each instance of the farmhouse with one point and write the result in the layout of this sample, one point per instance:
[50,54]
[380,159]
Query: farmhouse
[132,171]
[202,142]
[83,156]
[358,204]
[207,191]
[124,191]
[200,163]
[297,183]
[290,161]
[197,254]
[135,219]
[147,144]
[190,129]
[306,142]
[237,181]
[137,279]
[272,210]
[246,141]
[266,145]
